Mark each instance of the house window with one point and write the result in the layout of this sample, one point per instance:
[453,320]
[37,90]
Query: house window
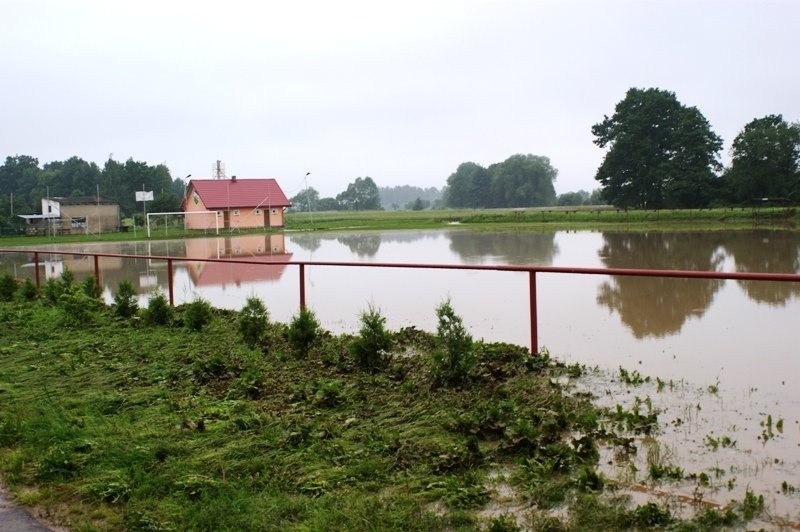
[78,222]
[236,212]
[258,211]
[219,213]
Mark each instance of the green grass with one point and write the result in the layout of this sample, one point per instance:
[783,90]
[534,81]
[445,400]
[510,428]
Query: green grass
[117,424]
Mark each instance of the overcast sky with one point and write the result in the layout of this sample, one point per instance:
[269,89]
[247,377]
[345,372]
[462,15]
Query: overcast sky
[399,91]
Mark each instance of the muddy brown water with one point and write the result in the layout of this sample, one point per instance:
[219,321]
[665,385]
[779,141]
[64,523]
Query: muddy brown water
[731,350]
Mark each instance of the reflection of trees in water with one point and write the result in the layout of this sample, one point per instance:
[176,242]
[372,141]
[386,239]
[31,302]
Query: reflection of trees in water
[766,251]
[512,248]
[654,306]
[308,242]
[363,245]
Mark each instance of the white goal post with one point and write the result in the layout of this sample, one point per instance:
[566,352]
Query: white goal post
[183,215]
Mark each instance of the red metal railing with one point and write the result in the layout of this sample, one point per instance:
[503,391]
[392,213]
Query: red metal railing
[531,270]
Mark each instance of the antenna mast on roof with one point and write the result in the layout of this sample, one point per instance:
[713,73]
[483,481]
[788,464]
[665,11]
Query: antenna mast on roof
[218,170]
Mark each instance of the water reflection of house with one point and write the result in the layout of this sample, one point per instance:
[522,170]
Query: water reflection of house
[80,265]
[267,249]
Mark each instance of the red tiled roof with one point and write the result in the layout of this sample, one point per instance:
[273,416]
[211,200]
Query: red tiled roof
[239,193]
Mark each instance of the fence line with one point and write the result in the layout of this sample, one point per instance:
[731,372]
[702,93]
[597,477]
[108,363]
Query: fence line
[531,270]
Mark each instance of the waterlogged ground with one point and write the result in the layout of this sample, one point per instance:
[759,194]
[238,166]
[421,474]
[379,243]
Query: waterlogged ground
[713,443]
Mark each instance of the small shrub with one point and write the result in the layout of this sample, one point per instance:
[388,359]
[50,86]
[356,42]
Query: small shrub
[198,314]
[371,347]
[253,320]
[52,291]
[453,358]
[91,288]
[77,308]
[28,290]
[303,332]
[158,310]
[8,286]
[125,301]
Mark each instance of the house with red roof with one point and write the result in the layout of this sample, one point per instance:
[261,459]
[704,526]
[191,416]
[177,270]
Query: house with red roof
[235,203]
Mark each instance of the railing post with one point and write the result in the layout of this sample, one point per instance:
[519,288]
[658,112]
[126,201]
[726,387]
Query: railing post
[97,271]
[302,287]
[534,317]
[36,269]
[170,283]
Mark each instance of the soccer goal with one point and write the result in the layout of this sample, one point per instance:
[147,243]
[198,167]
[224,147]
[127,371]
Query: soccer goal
[205,221]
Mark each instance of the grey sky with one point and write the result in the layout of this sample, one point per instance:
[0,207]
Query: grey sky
[402,92]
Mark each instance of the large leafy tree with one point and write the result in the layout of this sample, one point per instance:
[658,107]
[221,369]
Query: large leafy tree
[523,181]
[660,153]
[469,186]
[361,195]
[765,160]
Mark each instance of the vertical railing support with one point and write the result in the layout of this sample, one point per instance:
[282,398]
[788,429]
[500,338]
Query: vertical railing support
[170,283]
[97,272]
[36,269]
[534,317]
[302,287]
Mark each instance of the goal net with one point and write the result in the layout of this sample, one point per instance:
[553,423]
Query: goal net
[163,222]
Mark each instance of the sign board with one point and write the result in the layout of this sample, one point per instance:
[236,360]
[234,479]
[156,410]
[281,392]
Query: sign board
[141,195]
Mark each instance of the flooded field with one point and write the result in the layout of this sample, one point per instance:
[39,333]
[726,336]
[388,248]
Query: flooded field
[716,361]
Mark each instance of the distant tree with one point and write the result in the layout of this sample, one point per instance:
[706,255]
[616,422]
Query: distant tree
[660,153]
[19,176]
[418,204]
[361,195]
[571,199]
[765,161]
[596,197]
[468,187]
[402,195]
[73,177]
[165,202]
[523,181]
[328,204]
[305,200]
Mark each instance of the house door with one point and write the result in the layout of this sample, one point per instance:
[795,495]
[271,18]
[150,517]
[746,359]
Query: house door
[226,219]
[266,218]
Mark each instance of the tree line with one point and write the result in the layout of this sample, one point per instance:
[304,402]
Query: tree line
[661,153]
[23,185]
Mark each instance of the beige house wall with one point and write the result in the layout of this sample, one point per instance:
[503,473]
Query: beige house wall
[99,218]
[200,221]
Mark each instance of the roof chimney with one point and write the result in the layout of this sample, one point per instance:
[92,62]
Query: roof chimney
[233,178]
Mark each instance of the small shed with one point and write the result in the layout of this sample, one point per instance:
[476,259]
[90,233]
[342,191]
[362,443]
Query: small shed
[74,215]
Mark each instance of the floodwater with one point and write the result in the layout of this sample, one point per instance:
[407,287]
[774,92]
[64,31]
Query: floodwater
[728,351]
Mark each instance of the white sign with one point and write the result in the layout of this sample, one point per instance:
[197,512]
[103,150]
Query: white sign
[141,195]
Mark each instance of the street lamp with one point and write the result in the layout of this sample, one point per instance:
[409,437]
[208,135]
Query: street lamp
[308,202]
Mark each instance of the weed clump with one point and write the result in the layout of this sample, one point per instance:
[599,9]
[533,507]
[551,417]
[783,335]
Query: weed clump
[28,290]
[370,348]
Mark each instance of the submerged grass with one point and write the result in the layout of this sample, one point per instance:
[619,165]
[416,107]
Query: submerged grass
[122,423]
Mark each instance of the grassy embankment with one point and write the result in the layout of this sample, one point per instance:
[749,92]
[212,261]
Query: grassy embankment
[547,218]
[159,421]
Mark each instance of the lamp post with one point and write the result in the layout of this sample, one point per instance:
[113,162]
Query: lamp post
[308,202]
